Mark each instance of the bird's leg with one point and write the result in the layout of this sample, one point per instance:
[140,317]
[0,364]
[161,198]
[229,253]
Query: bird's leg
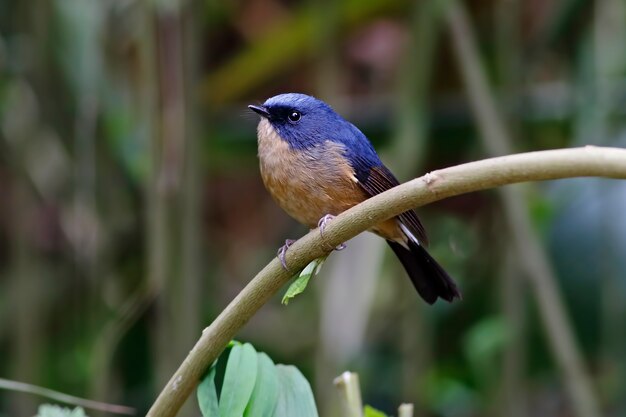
[282,251]
[321,224]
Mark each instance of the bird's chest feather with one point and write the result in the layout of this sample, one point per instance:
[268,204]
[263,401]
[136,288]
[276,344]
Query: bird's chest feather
[307,183]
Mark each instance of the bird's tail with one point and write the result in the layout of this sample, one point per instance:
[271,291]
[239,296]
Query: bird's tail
[427,276]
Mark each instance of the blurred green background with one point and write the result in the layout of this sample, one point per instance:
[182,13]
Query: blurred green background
[132,211]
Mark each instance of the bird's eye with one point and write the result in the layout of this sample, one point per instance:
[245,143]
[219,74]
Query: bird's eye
[294,116]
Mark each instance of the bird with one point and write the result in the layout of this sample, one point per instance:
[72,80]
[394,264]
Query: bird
[316,164]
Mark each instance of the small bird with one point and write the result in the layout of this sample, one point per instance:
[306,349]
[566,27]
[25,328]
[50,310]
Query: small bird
[316,165]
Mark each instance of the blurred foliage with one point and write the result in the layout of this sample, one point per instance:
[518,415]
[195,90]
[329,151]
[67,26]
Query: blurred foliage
[132,212]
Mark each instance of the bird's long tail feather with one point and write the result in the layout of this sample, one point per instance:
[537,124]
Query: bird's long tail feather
[427,276]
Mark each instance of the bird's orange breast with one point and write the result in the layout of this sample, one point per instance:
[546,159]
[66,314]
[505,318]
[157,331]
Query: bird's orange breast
[307,183]
[313,182]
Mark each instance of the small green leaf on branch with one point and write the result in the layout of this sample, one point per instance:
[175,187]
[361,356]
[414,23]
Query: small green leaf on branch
[302,280]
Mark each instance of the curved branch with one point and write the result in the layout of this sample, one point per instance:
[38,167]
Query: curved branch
[474,176]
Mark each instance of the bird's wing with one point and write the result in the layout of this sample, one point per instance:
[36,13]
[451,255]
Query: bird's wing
[377,179]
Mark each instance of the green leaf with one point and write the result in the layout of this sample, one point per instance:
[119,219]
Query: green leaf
[295,397]
[239,380]
[265,394]
[299,285]
[372,412]
[49,410]
[207,395]
[448,395]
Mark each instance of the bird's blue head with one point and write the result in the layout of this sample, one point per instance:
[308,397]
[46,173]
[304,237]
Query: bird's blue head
[301,120]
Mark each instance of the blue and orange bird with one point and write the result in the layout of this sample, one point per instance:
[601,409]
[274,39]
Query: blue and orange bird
[316,164]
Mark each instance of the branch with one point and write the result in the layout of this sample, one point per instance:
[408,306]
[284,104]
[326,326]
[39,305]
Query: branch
[437,185]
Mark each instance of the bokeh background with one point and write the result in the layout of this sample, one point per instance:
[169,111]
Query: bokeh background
[132,211]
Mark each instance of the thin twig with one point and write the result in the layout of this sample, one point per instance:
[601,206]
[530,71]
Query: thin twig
[350,391]
[405,410]
[437,185]
[65,398]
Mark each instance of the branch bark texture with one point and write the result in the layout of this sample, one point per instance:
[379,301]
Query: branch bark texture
[437,185]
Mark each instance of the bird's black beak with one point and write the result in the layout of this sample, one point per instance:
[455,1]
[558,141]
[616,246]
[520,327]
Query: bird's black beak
[260,110]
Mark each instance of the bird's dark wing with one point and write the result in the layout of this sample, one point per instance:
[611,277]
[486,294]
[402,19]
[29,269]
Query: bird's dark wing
[375,180]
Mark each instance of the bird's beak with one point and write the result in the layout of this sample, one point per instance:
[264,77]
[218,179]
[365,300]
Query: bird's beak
[260,110]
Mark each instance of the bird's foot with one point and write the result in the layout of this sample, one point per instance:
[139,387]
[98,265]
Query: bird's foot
[283,251]
[321,224]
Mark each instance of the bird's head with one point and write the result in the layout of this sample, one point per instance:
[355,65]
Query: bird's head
[301,120]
